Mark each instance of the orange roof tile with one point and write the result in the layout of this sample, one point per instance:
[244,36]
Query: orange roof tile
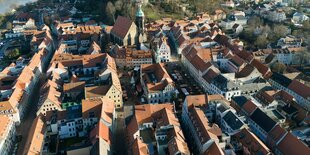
[101,131]
[160,74]
[214,149]
[139,148]
[73,87]
[4,126]
[91,106]
[197,100]
[6,108]
[96,91]
[35,137]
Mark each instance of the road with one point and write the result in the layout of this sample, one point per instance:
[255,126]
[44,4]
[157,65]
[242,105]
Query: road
[119,137]
[24,128]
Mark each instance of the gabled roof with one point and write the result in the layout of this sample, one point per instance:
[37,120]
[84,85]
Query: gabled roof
[139,148]
[237,61]
[262,120]
[290,145]
[276,133]
[251,142]
[6,108]
[240,100]
[101,131]
[96,91]
[210,75]
[263,69]
[233,121]
[155,77]
[300,89]
[94,48]
[281,79]
[198,57]
[35,137]
[201,122]
[73,87]
[246,71]
[214,149]
[249,107]
[121,26]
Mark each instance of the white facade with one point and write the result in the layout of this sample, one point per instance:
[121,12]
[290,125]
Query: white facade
[299,17]
[162,53]
[161,96]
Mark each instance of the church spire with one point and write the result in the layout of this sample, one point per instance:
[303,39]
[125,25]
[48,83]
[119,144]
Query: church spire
[140,19]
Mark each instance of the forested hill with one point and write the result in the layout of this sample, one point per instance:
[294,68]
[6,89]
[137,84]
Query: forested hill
[6,5]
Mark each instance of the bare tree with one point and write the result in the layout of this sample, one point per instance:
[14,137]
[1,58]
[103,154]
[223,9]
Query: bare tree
[110,10]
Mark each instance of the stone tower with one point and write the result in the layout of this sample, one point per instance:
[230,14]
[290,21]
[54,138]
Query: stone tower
[140,22]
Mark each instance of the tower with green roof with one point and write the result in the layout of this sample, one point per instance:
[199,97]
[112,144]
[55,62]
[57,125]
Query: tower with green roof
[140,19]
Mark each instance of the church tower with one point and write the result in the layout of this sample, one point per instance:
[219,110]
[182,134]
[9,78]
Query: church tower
[140,24]
[140,18]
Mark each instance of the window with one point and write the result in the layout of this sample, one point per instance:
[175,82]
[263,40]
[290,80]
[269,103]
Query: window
[91,114]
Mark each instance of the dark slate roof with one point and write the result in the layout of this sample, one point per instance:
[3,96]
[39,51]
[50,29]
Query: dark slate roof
[222,108]
[74,112]
[262,120]
[281,79]
[223,83]
[289,109]
[233,121]
[240,100]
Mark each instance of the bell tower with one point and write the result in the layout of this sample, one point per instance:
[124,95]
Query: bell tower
[140,19]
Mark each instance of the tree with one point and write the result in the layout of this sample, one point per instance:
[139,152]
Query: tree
[15,53]
[205,5]
[110,11]
[278,67]
[119,5]
[278,32]
[303,57]
[266,30]
[255,21]
[261,41]
[47,20]
[9,25]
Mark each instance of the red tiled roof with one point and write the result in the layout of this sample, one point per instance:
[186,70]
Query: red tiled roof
[139,148]
[300,89]
[263,69]
[100,131]
[276,133]
[253,144]
[197,100]
[290,145]
[121,26]
[249,107]
[210,75]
